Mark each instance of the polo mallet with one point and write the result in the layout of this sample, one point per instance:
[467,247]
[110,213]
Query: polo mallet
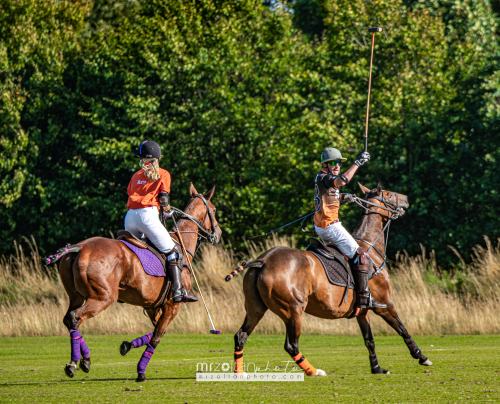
[176,229]
[373,31]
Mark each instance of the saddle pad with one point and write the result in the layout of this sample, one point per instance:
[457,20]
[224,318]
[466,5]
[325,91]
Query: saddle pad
[335,271]
[150,262]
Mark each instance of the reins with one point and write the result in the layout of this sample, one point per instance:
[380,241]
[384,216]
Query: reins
[395,211]
[209,236]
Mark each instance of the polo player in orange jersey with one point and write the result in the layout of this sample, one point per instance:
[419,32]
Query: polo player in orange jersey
[148,193]
[327,201]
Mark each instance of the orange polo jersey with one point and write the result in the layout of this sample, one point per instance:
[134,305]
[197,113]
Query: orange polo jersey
[143,193]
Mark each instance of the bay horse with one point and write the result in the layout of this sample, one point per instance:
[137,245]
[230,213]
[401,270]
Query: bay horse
[99,271]
[290,282]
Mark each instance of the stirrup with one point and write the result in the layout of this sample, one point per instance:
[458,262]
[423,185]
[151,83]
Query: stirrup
[184,297]
[372,304]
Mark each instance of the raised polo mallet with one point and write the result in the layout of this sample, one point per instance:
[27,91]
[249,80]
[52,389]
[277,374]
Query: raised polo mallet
[176,229]
[373,31]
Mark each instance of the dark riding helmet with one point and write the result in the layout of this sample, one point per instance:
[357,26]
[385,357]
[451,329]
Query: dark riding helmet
[149,150]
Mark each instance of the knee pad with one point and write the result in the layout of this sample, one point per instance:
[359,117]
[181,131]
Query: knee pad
[172,256]
[362,256]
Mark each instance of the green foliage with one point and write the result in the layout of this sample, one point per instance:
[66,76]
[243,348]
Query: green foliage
[238,99]
[433,129]
[309,17]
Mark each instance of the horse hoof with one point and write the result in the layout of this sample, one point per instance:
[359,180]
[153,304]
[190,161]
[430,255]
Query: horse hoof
[85,365]
[320,372]
[70,369]
[425,362]
[379,371]
[125,348]
[141,377]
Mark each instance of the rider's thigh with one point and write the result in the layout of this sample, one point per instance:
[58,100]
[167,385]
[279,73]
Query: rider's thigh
[338,235]
[156,232]
[345,242]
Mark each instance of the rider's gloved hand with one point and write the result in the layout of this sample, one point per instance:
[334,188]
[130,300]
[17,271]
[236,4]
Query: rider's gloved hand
[167,213]
[349,198]
[362,159]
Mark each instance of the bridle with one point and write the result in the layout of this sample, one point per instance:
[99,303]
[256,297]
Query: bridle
[395,211]
[203,235]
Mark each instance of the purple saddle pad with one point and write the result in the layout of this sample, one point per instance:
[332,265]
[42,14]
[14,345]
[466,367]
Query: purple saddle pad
[150,262]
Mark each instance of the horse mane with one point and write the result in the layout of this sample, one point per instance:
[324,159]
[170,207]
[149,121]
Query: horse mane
[362,224]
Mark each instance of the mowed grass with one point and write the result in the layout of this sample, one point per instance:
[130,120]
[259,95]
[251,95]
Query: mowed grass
[466,368]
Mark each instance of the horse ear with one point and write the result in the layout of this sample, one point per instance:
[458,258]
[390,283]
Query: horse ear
[209,194]
[365,190]
[192,190]
[379,189]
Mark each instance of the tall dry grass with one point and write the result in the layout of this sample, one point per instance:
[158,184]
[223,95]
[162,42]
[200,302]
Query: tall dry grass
[465,300]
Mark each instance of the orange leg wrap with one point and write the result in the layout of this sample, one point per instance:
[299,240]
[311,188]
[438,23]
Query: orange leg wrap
[238,361]
[304,364]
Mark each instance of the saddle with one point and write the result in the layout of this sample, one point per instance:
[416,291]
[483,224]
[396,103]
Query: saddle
[330,251]
[335,264]
[142,243]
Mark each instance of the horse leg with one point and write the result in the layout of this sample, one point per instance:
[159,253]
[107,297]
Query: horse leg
[252,318]
[73,320]
[293,331]
[76,300]
[255,310]
[391,317]
[366,330]
[126,346]
[169,313]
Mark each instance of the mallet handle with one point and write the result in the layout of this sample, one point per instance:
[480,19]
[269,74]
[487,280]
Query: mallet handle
[176,229]
[373,31]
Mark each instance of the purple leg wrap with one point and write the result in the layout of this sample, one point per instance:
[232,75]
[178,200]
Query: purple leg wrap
[144,340]
[75,344]
[146,356]
[84,349]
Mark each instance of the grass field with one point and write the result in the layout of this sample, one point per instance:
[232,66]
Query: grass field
[467,368]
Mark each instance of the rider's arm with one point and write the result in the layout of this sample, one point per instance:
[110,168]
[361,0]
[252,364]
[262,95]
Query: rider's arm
[164,194]
[344,179]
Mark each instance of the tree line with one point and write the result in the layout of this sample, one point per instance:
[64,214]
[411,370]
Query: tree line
[246,99]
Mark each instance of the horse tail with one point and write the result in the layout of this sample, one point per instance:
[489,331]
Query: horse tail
[244,265]
[61,253]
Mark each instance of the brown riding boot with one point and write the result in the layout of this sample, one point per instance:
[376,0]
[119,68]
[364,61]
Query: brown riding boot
[360,273]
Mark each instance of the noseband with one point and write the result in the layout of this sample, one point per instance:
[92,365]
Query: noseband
[203,234]
[395,211]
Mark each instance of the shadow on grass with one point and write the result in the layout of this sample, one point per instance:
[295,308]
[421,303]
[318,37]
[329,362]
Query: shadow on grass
[51,383]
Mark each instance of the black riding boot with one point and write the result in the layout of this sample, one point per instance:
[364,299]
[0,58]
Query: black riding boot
[360,273]
[179,293]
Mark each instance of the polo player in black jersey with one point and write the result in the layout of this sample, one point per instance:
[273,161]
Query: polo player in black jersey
[327,201]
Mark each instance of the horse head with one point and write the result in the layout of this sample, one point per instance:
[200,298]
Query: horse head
[386,199]
[203,210]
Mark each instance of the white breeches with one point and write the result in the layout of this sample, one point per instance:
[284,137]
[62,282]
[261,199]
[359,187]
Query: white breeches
[336,233]
[146,221]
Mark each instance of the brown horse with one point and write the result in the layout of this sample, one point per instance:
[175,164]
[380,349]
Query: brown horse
[99,271]
[290,282]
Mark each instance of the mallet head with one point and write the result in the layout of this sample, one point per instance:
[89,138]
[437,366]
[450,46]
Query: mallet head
[376,29]
[215,332]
